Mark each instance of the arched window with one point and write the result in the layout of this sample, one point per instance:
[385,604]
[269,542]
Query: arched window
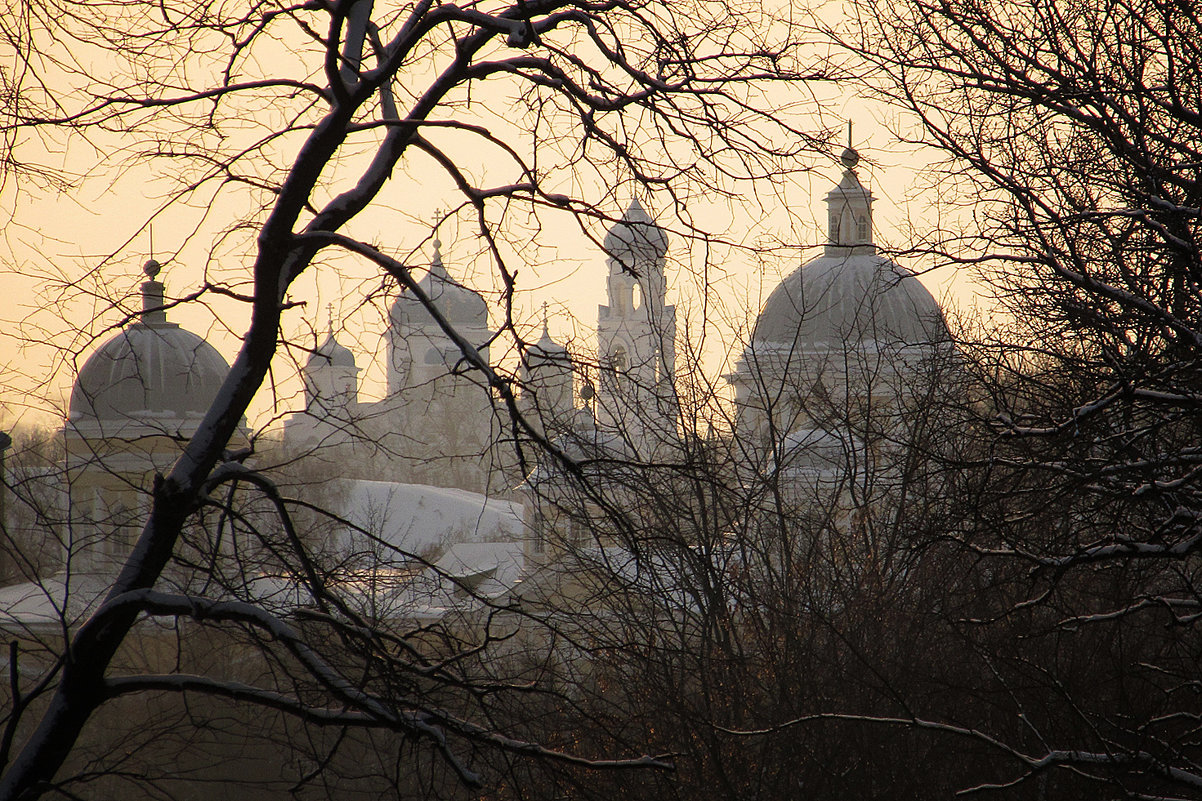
[618,359]
[636,296]
[861,228]
[834,229]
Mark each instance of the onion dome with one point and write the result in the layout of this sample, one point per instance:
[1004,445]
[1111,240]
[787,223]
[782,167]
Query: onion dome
[636,240]
[331,353]
[460,305]
[546,350]
[152,376]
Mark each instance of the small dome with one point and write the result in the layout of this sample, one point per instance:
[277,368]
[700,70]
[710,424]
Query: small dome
[636,240]
[158,376]
[457,303]
[547,350]
[850,297]
[599,455]
[331,354]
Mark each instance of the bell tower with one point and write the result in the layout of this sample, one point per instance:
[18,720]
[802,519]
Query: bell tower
[636,332]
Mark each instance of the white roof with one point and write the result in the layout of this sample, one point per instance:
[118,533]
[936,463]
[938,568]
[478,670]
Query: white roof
[846,296]
[416,518]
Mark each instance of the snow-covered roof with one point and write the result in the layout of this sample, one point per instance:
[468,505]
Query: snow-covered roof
[417,518]
[50,602]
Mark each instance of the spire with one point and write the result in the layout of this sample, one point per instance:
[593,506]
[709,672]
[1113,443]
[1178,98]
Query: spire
[636,241]
[153,312]
[436,262]
[546,345]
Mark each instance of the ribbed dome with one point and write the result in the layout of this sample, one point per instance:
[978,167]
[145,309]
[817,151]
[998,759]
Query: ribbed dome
[157,374]
[331,354]
[152,376]
[850,295]
[637,239]
[457,303]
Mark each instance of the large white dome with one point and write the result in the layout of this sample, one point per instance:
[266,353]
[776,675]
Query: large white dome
[849,295]
[152,375]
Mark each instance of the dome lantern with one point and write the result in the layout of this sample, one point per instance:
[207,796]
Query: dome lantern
[849,207]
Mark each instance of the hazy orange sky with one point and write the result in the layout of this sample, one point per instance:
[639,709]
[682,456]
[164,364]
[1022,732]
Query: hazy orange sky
[69,253]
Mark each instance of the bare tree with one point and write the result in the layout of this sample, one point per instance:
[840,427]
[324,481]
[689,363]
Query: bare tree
[1070,132]
[740,581]
[660,95]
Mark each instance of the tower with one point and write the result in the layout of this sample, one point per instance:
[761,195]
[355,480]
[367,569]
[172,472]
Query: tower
[419,350]
[135,403]
[636,333]
[440,426]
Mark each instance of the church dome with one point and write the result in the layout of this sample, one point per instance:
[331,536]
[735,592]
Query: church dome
[460,305]
[546,349]
[850,295]
[152,374]
[637,239]
[331,354]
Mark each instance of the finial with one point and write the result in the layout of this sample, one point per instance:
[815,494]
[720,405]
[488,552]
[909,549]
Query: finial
[544,317]
[849,157]
[435,222]
[330,317]
[152,269]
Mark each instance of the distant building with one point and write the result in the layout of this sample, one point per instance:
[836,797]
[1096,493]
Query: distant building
[427,468]
[839,339]
[136,401]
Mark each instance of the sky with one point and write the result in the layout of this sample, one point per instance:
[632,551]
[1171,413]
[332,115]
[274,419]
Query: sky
[72,256]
